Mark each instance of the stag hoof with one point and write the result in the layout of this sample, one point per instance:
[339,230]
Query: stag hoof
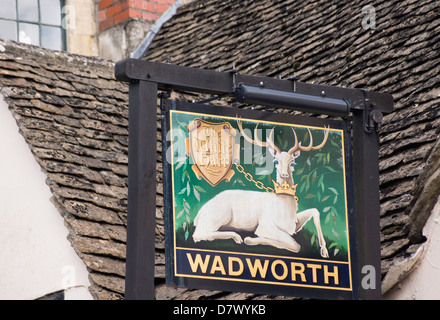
[237,239]
[248,241]
[324,252]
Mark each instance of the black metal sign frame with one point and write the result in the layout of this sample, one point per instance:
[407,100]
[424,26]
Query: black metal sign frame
[147,78]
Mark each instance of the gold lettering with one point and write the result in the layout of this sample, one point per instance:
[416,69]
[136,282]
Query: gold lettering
[203,159]
[207,131]
[198,262]
[299,271]
[334,274]
[253,268]
[273,269]
[259,268]
[231,270]
[213,161]
[203,145]
[213,146]
[314,267]
[217,265]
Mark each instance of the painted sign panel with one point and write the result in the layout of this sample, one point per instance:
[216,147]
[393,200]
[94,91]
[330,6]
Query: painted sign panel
[258,201]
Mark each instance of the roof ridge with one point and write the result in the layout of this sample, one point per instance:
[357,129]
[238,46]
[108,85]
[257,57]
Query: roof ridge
[37,53]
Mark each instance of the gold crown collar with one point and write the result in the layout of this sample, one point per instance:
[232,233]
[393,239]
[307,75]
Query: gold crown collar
[285,188]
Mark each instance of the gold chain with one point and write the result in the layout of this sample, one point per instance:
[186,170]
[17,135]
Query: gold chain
[250,178]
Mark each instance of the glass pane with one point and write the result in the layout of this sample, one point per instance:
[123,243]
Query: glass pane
[28,10]
[8,10]
[50,12]
[29,33]
[51,38]
[8,30]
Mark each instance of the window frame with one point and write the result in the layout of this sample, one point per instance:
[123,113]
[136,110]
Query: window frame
[17,21]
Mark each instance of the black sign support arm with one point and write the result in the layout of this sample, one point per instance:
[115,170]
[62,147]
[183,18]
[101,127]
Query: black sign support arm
[367,204]
[172,77]
[139,279]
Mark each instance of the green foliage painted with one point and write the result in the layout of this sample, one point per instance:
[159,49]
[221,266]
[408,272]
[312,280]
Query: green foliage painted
[319,174]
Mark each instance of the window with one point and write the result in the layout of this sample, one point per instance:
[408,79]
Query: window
[37,22]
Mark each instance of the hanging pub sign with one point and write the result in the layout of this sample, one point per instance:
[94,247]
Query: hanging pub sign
[258,202]
[253,201]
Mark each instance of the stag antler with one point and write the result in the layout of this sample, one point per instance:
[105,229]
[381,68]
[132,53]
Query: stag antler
[270,144]
[297,146]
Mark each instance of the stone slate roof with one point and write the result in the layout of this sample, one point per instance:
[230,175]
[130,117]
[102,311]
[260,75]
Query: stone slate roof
[74,116]
[324,42]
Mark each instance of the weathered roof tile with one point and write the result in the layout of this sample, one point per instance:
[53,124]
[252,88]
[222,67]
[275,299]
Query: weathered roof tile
[324,42]
[74,116]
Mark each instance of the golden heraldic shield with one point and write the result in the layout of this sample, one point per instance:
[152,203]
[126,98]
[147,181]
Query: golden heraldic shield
[212,149]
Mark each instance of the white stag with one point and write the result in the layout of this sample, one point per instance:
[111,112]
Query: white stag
[272,217]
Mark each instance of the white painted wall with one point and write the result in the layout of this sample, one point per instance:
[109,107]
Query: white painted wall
[35,257]
[423,283]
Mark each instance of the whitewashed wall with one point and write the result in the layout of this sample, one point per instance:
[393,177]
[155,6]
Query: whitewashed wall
[423,283]
[36,258]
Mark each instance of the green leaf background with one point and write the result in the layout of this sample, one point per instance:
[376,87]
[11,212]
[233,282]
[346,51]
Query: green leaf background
[319,174]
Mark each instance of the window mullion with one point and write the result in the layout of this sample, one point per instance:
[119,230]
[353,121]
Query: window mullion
[36,27]
[16,22]
[39,22]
